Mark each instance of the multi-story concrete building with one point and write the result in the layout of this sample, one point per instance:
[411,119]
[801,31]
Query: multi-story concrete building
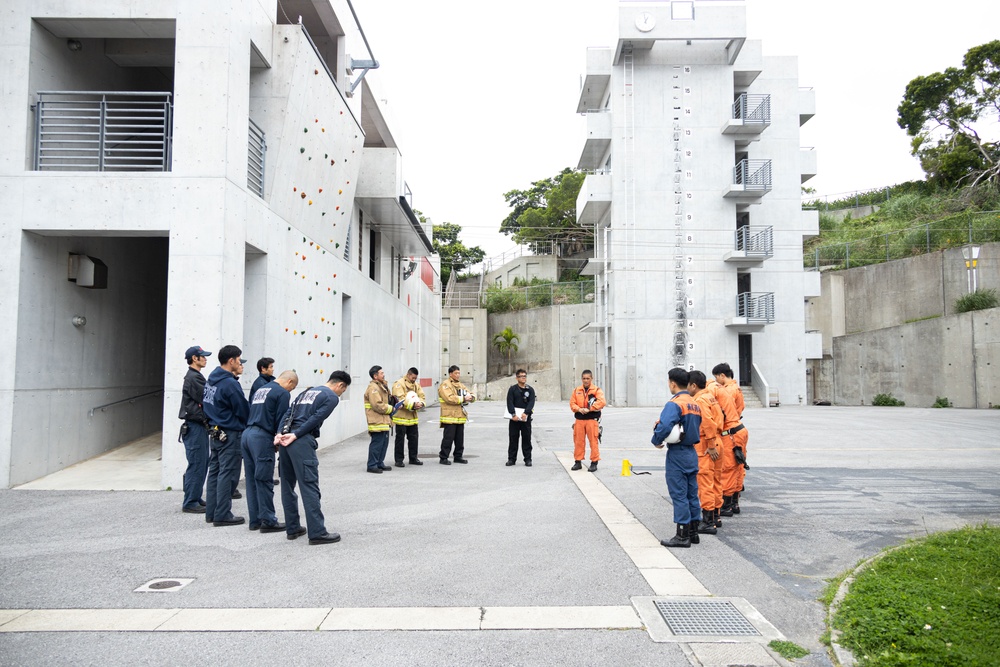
[694,191]
[194,173]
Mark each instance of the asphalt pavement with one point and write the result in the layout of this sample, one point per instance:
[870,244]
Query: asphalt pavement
[828,487]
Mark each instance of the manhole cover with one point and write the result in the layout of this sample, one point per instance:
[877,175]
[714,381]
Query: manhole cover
[163,585]
[705,617]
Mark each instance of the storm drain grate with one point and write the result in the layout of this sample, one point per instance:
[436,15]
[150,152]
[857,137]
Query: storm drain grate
[705,617]
[163,585]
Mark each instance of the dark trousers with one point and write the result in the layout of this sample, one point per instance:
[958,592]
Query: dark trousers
[258,464]
[412,436]
[682,482]
[520,429]
[196,450]
[299,465]
[453,433]
[223,468]
[377,447]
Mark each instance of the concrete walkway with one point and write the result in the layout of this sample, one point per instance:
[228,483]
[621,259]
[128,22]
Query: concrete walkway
[485,564]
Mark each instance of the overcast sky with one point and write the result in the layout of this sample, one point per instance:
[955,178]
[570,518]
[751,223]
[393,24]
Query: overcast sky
[482,96]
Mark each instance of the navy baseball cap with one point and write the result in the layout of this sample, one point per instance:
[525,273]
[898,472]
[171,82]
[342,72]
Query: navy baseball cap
[196,351]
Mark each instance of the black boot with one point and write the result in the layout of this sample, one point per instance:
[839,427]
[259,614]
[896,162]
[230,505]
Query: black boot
[693,532]
[577,465]
[736,503]
[681,539]
[593,466]
[727,506]
[707,525]
[716,519]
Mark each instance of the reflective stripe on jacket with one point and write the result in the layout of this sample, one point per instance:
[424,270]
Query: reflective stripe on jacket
[377,407]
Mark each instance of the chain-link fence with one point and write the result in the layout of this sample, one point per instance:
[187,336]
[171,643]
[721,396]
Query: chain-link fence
[951,232]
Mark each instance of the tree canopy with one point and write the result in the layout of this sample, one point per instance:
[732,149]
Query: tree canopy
[455,255]
[947,113]
[544,215]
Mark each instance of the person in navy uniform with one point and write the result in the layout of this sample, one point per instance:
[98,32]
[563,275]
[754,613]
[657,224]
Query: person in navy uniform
[265,368]
[267,406]
[520,405]
[298,462]
[194,431]
[227,411]
[682,459]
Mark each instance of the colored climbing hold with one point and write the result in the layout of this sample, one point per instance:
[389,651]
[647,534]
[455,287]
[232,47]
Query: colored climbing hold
[315,71]
[310,298]
[303,258]
[316,121]
[302,150]
[326,156]
[322,319]
[315,335]
[295,331]
[324,213]
[294,189]
[286,329]
[340,192]
[305,129]
[322,129]
[295,312]
[303,195]
[328,339]
[337,209]
[309,352]
[338,245]
[331,162]
[310,202]
[321,189]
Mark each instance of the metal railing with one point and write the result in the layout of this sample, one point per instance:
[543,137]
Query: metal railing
[756,307]
[951,232]
[752,108]
[755,241]
[256,150]
[130,400]
[102,131]
[753,175]
[521,297]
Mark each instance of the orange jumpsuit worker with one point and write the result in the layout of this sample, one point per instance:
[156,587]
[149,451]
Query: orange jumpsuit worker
[709,452]
[586,404]
[741,437]
[733,435]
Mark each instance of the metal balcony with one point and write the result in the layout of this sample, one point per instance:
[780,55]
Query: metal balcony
[256,148]
[102,131]
[751,180]
[754,310]
[751,116]
[752,246]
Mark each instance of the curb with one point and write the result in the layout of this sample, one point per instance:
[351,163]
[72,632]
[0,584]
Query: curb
[842,655]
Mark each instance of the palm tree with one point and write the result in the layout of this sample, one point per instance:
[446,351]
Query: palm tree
[506,343]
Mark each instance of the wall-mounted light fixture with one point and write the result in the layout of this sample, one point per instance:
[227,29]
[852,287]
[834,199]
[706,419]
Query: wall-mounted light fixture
[74,45]
[79,321]
[87,271]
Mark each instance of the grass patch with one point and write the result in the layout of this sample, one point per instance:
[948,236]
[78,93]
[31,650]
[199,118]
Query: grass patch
[935,601]
[887,400]
[921,319]
[981,299]
[788,650]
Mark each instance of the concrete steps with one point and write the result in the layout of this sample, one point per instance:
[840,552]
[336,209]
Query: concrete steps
[750,397]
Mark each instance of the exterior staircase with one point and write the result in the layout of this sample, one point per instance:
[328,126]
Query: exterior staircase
[750,397]
[464,294]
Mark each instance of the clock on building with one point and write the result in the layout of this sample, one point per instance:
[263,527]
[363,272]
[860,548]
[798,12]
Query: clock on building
[645,21]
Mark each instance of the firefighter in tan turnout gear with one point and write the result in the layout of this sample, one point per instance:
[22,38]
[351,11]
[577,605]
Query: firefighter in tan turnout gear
[407,390]
[454,397]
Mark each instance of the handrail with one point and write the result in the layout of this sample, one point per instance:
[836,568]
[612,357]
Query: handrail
[755,241]
[756,307]
[768,396]
[332,77]
[753,174]
[133,399]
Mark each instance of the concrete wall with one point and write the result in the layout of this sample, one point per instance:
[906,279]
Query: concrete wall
[544,267]
[464,343]
[266,274]
[956,356]
[65,371]
[550,339]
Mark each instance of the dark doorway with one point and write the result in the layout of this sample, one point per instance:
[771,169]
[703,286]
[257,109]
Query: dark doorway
[745,358]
